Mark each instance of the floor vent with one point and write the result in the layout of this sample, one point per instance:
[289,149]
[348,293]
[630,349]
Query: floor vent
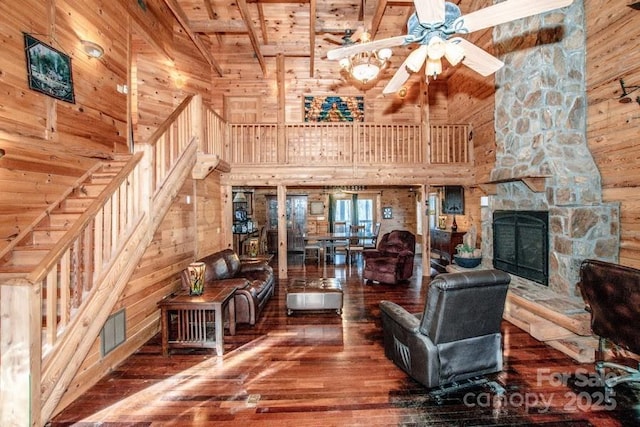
[113,332]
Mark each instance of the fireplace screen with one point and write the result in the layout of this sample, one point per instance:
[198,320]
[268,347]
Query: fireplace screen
[521,244]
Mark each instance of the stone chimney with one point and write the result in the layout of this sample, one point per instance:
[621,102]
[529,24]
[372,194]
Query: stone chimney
[540,125]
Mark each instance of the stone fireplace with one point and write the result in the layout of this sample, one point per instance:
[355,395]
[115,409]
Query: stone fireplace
[543,163]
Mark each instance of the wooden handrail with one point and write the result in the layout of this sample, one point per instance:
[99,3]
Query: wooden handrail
[155,136]
[87,216]
[27,230]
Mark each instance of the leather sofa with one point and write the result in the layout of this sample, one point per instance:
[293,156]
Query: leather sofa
[254,281]
[392,261]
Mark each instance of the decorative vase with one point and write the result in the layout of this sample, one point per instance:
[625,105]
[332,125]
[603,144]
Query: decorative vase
[253,247]
[454,226]
[196,278]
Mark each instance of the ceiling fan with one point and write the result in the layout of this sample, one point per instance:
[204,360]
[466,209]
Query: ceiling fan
[433,26]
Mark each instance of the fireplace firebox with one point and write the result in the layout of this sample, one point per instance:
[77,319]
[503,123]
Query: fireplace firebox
[521,244]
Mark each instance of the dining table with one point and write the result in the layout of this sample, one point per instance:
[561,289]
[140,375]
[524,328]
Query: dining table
[330,240]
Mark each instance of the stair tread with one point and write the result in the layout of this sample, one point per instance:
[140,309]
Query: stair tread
[34,247]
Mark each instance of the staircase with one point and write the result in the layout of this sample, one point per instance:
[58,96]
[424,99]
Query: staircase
[29,248]
[61,277]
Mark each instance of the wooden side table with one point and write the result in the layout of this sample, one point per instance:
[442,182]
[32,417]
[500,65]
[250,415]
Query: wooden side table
[197,321]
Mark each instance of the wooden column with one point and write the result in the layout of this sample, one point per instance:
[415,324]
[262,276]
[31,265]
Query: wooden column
[426,231]
[280,73]
[20,353]
[425,119]
[282,231]
[227,214]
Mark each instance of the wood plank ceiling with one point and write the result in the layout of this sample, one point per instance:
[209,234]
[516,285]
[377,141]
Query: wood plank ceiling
[301,28]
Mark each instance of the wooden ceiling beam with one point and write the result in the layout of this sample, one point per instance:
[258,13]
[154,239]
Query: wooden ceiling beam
[263,24]
[377,17]
[253,37]
[279,1]
[210,12]
[184,23]
[337,27]
[211,26]
[287,49]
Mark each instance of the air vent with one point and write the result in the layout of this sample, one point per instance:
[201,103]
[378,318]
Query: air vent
[113,332]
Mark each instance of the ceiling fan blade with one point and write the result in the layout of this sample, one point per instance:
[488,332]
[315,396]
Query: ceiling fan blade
[429,11]
[343,52]
[398,79]
[477,59]
[507,11]
[333,39]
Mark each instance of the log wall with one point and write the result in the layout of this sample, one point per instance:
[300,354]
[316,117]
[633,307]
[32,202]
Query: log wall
[613,53]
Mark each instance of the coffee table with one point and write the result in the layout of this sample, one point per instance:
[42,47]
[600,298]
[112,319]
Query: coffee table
[314,294]
[197,321]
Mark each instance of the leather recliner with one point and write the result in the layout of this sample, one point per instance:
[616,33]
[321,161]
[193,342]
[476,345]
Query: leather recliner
[392,261]
[457,337]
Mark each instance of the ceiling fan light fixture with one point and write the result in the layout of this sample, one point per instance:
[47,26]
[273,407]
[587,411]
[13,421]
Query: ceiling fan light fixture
[366,66]
[434,67]
[454,53]
[365,71]
[416,59]
[385,53]
[436,48]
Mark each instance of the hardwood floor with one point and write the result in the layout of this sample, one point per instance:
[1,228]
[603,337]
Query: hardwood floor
[321,369]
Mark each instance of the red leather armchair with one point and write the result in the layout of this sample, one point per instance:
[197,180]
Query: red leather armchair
[392,261]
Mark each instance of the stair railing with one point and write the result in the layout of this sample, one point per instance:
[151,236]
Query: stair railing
[73,290]
[27,230]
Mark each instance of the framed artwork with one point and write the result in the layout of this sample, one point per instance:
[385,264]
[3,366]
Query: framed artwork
[387,212]
[316,208]
[453,202]
[48,70]
[334,108]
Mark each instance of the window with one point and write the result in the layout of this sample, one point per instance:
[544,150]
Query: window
[362,214]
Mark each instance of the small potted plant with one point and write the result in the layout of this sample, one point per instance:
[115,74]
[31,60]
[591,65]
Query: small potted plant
[468,256]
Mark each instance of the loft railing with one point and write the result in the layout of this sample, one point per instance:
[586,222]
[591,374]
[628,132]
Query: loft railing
[312,144]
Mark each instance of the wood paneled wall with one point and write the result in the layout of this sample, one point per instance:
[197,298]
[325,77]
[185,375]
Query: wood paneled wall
[613,128]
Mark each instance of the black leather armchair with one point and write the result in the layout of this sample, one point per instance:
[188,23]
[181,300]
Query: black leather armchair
[392,261]
[612,295]
[457,337]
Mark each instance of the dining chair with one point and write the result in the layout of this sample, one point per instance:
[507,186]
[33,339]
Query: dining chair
[340,245]
[312,248]
[356,241]
[372,243]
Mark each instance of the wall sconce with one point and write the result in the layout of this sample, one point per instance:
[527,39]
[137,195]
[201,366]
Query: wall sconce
[93,50]
[626,91]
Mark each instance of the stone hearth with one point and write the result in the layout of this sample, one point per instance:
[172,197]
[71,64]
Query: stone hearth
[540,125]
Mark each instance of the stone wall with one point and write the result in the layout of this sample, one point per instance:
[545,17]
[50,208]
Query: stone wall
[540,124]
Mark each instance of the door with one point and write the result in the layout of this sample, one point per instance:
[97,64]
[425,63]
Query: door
[296,210]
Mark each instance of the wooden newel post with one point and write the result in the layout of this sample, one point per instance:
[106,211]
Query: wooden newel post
[20,353]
